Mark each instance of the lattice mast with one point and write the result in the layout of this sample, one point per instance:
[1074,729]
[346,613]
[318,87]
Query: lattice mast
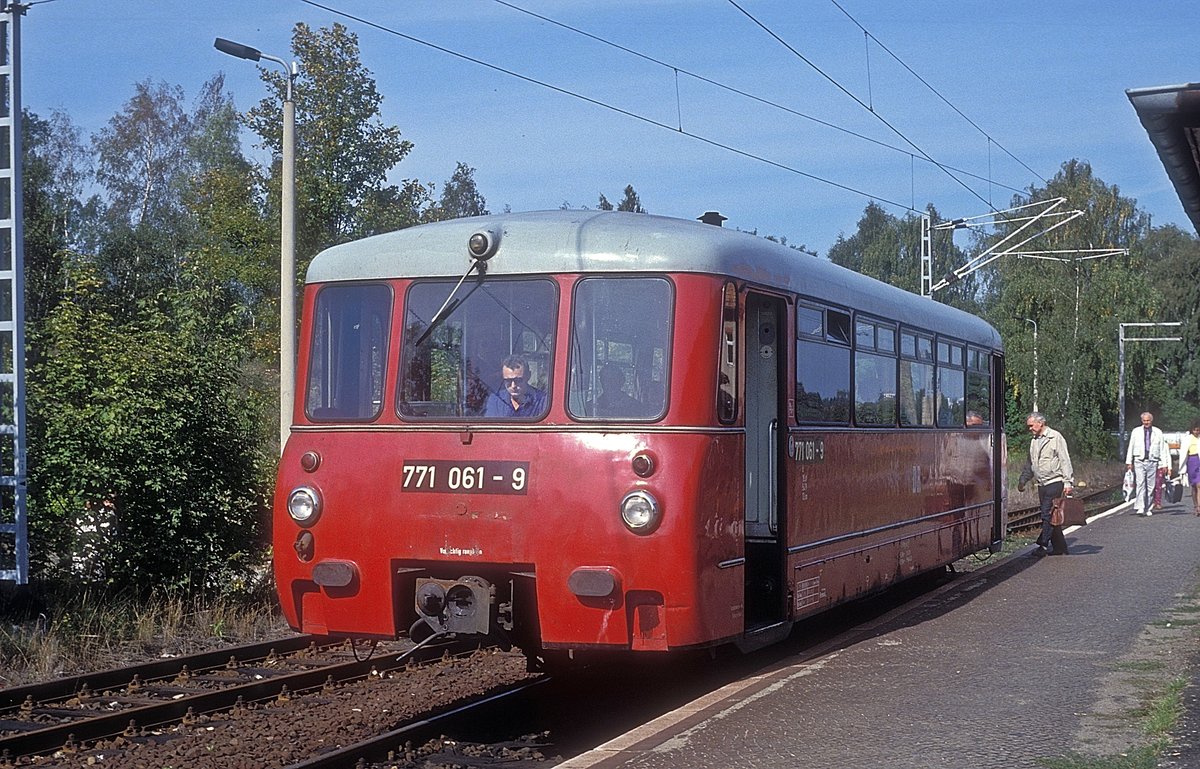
[14,534]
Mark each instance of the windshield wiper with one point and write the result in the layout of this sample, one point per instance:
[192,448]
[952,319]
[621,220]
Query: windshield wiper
[448,306]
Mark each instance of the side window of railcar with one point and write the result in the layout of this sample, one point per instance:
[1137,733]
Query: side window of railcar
[620,348]
[916,394]
[874,373]
[979,385]
[951,411]
[458,343]
[822,365]
[727,357]
[346,362]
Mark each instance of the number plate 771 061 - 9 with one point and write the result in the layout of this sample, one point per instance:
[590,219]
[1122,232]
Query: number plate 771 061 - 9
[486,477]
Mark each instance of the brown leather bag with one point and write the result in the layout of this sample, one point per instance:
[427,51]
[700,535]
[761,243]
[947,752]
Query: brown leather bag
[1057,516]
[1067,511]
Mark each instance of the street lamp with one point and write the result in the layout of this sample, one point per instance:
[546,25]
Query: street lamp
[1034,322]
[287,238]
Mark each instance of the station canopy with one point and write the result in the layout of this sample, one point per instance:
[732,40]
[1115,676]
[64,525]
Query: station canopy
[1171,116]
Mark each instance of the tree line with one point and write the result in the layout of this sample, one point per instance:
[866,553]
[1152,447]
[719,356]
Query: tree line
[151,263]
[1076,306]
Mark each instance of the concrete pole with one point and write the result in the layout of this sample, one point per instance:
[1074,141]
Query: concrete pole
[1121,391]
[287,271]
[287,237]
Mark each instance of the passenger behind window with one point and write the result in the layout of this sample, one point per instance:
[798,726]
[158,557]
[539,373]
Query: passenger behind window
[613,400]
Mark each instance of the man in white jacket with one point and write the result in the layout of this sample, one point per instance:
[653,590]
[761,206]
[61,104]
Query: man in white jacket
[1147,456]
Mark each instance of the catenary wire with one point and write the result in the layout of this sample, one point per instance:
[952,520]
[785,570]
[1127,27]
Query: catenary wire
[859,101]
[731,89]
[935,91]
[611,107]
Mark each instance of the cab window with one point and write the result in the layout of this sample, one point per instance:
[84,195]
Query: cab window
[620,348]
[348,352]
[459,344]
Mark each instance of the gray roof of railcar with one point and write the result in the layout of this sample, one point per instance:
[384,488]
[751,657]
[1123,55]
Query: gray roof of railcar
[611,241]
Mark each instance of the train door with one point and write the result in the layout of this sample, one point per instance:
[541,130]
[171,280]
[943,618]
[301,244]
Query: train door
[764,352]
[999,456]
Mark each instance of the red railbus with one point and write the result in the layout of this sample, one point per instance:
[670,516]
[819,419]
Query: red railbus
[581,431]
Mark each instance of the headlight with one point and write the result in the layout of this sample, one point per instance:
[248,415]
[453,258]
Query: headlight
[483,244]
[640,512]
[304,505]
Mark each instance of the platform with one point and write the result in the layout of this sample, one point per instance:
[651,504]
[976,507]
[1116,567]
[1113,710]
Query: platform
[1027,658]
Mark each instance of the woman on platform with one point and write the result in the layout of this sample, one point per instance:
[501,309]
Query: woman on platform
[1189,463]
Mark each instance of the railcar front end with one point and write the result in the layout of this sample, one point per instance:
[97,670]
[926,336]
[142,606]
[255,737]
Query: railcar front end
[410,502]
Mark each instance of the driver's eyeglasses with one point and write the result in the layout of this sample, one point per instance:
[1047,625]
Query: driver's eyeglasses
[511,380]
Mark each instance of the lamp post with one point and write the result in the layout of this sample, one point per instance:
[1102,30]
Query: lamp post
[287,238]
[1034,322]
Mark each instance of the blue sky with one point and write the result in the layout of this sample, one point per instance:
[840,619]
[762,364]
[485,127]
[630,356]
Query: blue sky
[1045,81]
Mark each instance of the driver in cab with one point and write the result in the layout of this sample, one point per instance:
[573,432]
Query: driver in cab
[517,397]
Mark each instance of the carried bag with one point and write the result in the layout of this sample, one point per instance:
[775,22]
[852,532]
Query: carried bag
[1067,511]
[1128,485]
[1073,512]
[1057,515]
[1173,490]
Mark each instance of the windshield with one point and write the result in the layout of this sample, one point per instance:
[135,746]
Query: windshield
[489,354]
[620,337]
[347,355]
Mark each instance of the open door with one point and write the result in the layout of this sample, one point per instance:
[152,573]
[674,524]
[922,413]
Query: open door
[765,352]
[999,456]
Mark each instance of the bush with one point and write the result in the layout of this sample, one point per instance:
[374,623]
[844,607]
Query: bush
[145,464]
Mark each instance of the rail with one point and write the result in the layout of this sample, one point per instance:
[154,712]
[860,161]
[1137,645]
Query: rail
[379,747]
[1028,518]
[44,717]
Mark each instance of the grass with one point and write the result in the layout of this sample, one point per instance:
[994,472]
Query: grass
[48,632]
[1142,757]
[1163,713]
[1158,717]
[1009,546]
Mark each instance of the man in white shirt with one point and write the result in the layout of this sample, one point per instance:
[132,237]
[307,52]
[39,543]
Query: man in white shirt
[1147,456]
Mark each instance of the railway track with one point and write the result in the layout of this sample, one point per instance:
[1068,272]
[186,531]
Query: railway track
[1029,518]
[399,742]
[131,702]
